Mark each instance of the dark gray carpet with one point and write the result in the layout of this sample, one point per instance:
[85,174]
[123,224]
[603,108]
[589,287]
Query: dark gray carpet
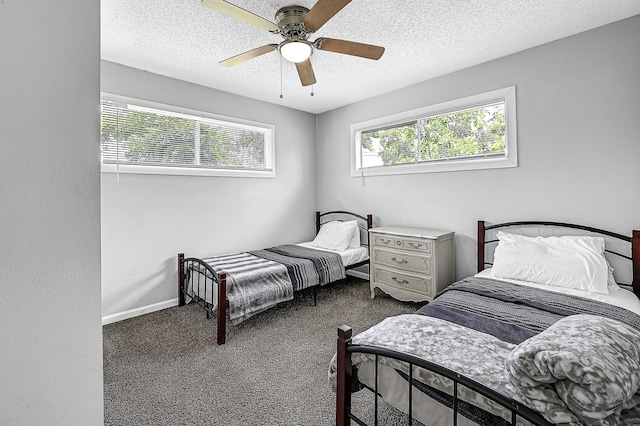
[164,368]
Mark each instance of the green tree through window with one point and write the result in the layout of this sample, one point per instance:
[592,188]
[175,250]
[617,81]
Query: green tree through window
[472,132]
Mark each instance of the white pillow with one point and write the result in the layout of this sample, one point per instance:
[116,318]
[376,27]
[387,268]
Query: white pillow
[611,281]
[355,240]
[570,262]
[334,235]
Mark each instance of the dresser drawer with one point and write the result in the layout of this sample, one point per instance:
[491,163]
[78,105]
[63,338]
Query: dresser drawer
[402,280]
[403,243]
[404,260]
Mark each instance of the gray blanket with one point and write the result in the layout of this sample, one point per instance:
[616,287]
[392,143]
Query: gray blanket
[513,312]
[587,363]
[260,279]
[253,284]
[306,267]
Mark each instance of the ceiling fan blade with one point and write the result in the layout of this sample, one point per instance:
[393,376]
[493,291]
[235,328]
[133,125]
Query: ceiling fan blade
[305,71]
[240,13]
[367,51]
[253,53]
[321,12]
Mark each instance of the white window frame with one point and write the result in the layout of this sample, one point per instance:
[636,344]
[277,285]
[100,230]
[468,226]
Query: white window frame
[270,149]
[489,161]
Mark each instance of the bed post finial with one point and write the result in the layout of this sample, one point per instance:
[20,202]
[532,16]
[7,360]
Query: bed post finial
[343,385]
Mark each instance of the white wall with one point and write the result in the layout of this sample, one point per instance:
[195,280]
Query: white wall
[148,219]
[50,324]
[578,103]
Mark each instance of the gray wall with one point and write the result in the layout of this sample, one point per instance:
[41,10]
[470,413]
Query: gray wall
[578,109]
[50,324]
[147,219]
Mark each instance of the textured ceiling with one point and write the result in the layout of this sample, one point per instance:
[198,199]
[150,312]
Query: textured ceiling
[423,39]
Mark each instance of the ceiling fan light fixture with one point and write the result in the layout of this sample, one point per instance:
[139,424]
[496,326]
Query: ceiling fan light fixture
[295,50]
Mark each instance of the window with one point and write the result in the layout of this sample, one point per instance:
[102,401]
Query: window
[477,132]
[141,137]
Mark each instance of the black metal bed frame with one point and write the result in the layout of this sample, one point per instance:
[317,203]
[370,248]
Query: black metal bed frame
[345,348]
[344,415]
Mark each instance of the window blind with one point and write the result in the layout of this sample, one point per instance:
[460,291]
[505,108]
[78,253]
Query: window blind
[151,137]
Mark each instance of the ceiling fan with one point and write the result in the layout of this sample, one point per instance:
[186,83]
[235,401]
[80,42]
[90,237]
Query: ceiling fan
[295,24]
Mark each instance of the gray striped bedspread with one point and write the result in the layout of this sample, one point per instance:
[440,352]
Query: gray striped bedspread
[306,267]
[260,279]
[514,312]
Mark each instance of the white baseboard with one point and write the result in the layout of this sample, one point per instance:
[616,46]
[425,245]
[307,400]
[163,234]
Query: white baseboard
[139,311]
[174,302]
[358,274]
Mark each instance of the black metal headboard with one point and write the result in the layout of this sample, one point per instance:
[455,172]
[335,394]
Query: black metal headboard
[621,249]
[364,223]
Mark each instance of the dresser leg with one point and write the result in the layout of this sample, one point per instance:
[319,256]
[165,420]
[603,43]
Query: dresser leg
[373,292]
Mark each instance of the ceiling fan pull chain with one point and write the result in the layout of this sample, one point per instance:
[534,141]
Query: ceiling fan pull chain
[281,78]
[312,90]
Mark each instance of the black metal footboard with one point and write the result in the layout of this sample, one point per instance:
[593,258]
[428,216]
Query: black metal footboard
[345,381]
[204,282]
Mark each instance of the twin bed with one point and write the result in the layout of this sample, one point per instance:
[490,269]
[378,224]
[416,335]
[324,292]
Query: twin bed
[241,285]
[545,335]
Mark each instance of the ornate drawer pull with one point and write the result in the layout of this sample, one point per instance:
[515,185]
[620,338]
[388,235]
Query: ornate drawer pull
[385,241]
[416,245]
[402,262]
[398,243]
[400,282]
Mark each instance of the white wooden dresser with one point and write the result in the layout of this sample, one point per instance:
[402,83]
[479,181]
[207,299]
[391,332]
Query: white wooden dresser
[410,264]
